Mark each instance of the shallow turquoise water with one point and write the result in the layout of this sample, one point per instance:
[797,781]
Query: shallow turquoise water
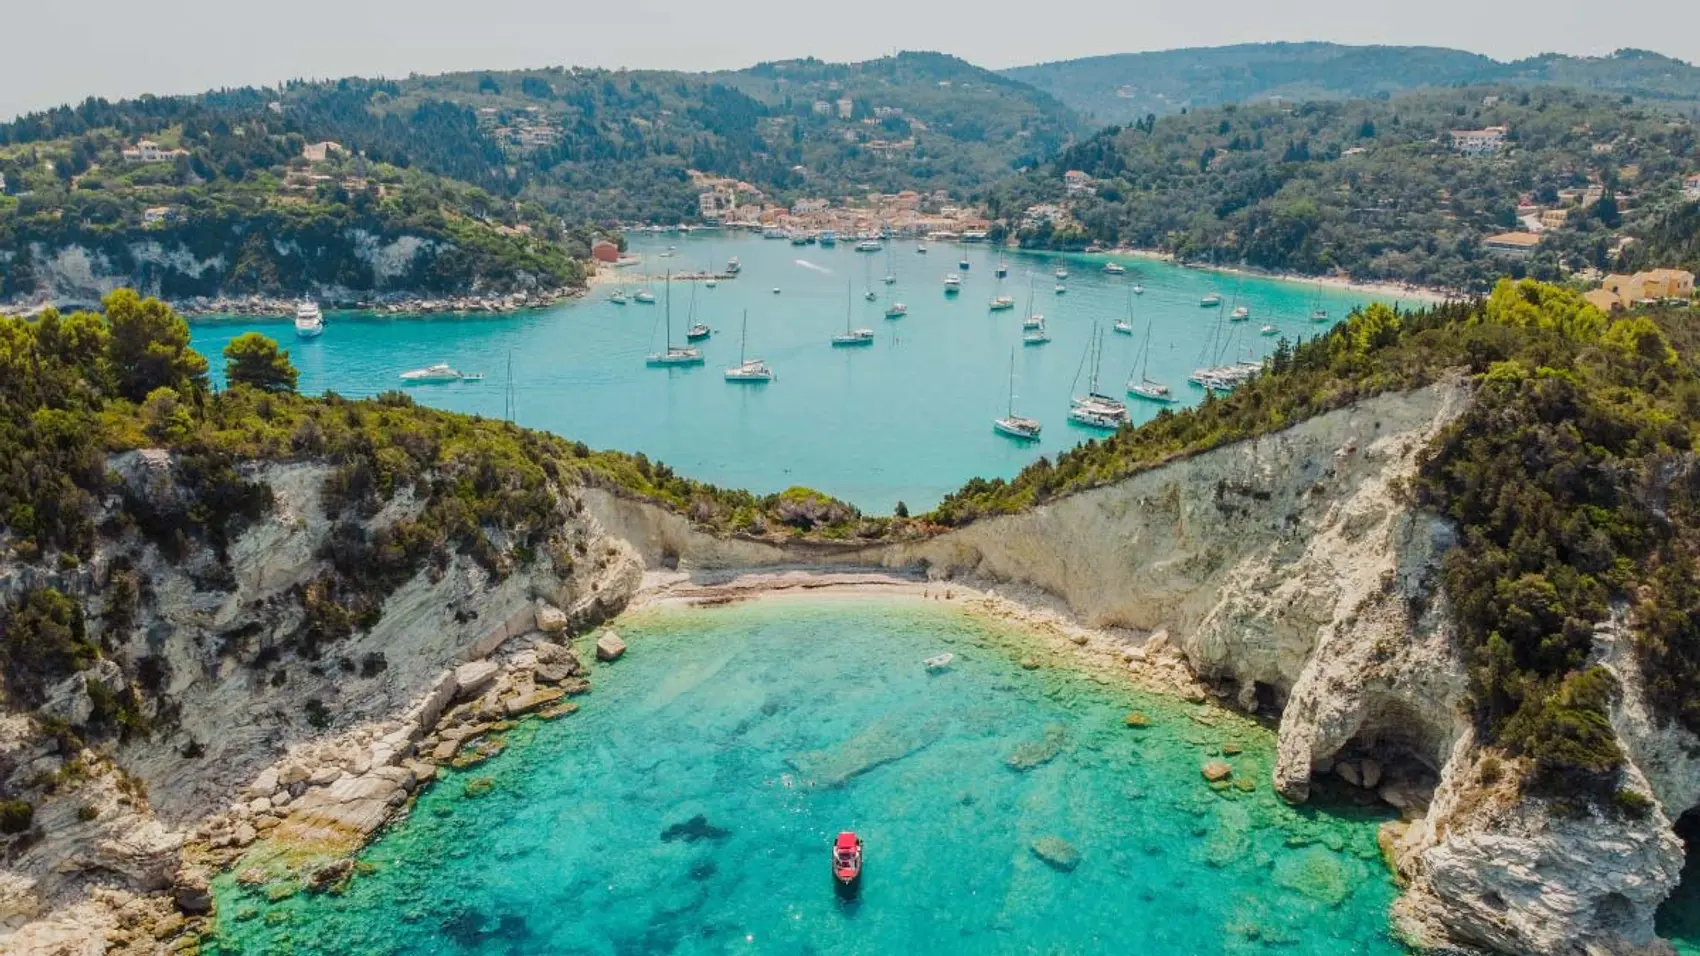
[782,723]
[906,419]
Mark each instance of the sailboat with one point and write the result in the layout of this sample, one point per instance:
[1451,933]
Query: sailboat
[868,280]
[618,296]
[1317,312]
[752,370]
[852,336]
[1146,388]
[1096,410]
[696,331]
[1210,301]
[1003,269]
[1034,320]
[1036,335]
[893,309]
[890,276]
[1002,303]
[1011,424]
[675,354]
[1124,325]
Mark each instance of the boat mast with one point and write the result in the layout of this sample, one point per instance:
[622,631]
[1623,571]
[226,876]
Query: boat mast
[669,281]
[1011,412]
[743,337]
[848,298]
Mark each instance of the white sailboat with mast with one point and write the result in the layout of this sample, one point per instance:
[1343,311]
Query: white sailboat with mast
[1034,320]
[752,370]
[851,337]
[675,355]
[1146,387]
[1011,424]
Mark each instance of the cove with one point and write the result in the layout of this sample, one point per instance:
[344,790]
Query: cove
[688,806]
[906,419]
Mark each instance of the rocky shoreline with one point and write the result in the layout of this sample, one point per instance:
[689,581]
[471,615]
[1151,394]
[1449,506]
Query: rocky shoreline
[261,306]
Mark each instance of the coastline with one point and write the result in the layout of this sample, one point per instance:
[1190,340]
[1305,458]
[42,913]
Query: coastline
[1427,295]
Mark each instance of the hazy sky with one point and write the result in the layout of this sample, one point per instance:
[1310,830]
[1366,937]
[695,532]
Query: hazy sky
[57,52]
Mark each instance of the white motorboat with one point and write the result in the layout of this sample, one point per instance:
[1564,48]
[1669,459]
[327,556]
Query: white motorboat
[309,321]
[869,245]
[1061,289]
[921,249]
[1319,315]
[1115,269]
[1036,336]
[1002,303]
[896,310]
[733,266]
[1268,330]
[644,297]
[1240,314]
[1210,301]
[952,284]
[1138,289]
[750,370]
[939,662]
[440,372]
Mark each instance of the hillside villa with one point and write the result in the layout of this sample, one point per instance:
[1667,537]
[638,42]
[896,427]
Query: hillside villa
[1516,245]
[1479,142]
[1621,291]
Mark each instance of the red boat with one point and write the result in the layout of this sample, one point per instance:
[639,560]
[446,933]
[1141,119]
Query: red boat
[847,859]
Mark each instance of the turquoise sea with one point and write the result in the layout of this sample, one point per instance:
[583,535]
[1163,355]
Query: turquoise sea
[908,418]
[687,808]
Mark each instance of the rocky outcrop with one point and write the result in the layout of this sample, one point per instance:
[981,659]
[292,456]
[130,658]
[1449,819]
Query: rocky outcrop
[254,745]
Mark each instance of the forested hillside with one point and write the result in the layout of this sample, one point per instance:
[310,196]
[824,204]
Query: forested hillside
[1378,189]
[604,145]
[1124,87]
[213,205]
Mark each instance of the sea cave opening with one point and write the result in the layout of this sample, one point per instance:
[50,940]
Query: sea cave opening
[1678,918]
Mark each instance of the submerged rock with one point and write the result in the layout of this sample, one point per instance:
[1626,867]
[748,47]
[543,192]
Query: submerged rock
[1058,854]
[1317,873]
[1217,770]
[694,829]
[1037,752]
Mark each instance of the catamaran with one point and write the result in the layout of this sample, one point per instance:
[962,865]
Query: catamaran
[1002,303]
[1240,314]
[1096,410]
[1011,424]
[675,354]
[309,321]
[752,370]
[1036,335]
[852,336]
[952,284]
[869,245]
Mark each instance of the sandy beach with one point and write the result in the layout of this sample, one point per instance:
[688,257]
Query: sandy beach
[1058,637]
[1397,291]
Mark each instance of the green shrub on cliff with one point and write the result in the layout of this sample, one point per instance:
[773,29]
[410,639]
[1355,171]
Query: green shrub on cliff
[254,360]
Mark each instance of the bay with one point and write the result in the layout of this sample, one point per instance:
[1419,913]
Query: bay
[906,419]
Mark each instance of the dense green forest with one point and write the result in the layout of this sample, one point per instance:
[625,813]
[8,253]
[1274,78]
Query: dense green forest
[234,208]
[1375,188]
[1572,479]
[615,145]
[1124,87]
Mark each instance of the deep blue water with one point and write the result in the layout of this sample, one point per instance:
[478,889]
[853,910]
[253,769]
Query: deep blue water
[779,724]
[906,419]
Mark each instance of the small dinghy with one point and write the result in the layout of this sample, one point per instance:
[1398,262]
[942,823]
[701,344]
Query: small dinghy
[941,661]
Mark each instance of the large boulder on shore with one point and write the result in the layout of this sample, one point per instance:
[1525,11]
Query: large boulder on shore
[474,676]
[609,647]
[550,619]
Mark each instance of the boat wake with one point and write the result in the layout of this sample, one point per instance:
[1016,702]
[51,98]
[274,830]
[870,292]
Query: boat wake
[809,265]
